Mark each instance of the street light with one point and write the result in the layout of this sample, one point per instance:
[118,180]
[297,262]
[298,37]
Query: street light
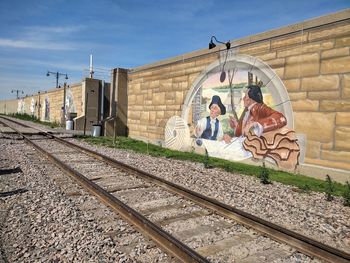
[57,74]
[17,91]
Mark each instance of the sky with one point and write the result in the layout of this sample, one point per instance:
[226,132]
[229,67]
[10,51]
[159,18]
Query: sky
[57,35]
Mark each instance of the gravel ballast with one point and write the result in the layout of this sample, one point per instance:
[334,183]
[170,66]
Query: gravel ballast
[306,213]
[43,225]
[56,221]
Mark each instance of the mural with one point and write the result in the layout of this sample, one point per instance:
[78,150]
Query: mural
[21,106]
[32,106]
[231,93]
[69,103]
[259,132]
[237,114]
[47,109]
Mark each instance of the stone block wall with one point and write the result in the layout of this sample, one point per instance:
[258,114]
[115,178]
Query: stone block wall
[8,106]
[55,98]
[315,68]
[155,95]
[76,90]
[312,59]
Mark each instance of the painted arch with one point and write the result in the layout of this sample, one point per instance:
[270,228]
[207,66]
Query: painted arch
[258,68]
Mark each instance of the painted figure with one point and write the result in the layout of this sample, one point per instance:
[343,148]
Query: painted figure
[256,116]
[47,109]
[210,127]
[261,133]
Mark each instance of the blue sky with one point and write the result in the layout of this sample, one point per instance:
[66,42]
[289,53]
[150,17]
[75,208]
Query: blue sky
[59,35]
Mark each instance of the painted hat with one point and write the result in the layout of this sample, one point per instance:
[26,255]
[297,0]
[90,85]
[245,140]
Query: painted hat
[216,100]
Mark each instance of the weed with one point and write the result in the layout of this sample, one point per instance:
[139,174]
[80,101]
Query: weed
[346,194]
[206,160]
[54,124]
[264,175]
[305,188]
[329,188]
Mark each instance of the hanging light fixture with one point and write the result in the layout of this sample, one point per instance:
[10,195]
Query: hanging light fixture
[228,46]
[212,44]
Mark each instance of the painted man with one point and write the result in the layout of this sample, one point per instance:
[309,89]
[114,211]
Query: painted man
[210,127]
[256,116]
[258,125]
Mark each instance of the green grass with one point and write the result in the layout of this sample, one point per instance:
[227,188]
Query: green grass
[27,117]
[300,181]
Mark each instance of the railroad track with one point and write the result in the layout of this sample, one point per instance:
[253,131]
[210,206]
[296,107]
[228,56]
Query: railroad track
[157,207]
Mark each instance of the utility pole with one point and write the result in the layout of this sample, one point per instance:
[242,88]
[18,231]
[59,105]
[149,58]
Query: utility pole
[17,91]
[39,107]
[57,75]
[64,105]
[91,68]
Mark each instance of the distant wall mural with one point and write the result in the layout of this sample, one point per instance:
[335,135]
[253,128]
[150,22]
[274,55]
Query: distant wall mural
[21,106]
[47,109]
[70,105]
[32,106]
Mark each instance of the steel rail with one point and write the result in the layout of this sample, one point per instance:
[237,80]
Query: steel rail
[302,243]
[163,239]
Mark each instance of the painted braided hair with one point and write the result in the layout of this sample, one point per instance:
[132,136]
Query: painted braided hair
[254,92]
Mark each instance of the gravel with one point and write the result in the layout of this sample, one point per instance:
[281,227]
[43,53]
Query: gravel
[307,213]
[56,221]
[43,225]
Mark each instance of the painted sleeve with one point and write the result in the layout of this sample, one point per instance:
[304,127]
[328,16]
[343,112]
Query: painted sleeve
[220,135]
[271,119]
[201,125]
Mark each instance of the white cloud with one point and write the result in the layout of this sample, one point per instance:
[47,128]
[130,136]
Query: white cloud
[44,38]
[46,45]
[18,63]
[54,29]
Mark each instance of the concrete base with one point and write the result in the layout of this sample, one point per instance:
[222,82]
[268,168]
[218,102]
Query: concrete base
[314,171]
[115,125]
[318,172]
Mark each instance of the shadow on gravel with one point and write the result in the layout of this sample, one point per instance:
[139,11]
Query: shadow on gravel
[14,192]
[10,171]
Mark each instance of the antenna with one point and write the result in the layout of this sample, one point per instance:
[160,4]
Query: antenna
[91,68]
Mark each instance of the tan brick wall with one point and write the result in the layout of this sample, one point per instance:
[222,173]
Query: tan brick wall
[157,94]
[8,106]
[314,65]
[55,97]
[77,97]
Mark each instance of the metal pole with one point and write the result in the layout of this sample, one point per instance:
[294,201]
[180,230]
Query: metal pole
[86,102]
[115,130]
[102,100]
[39,107]
[64,104]
[57,76]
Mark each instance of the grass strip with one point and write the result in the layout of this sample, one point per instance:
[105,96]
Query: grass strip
[27,117]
